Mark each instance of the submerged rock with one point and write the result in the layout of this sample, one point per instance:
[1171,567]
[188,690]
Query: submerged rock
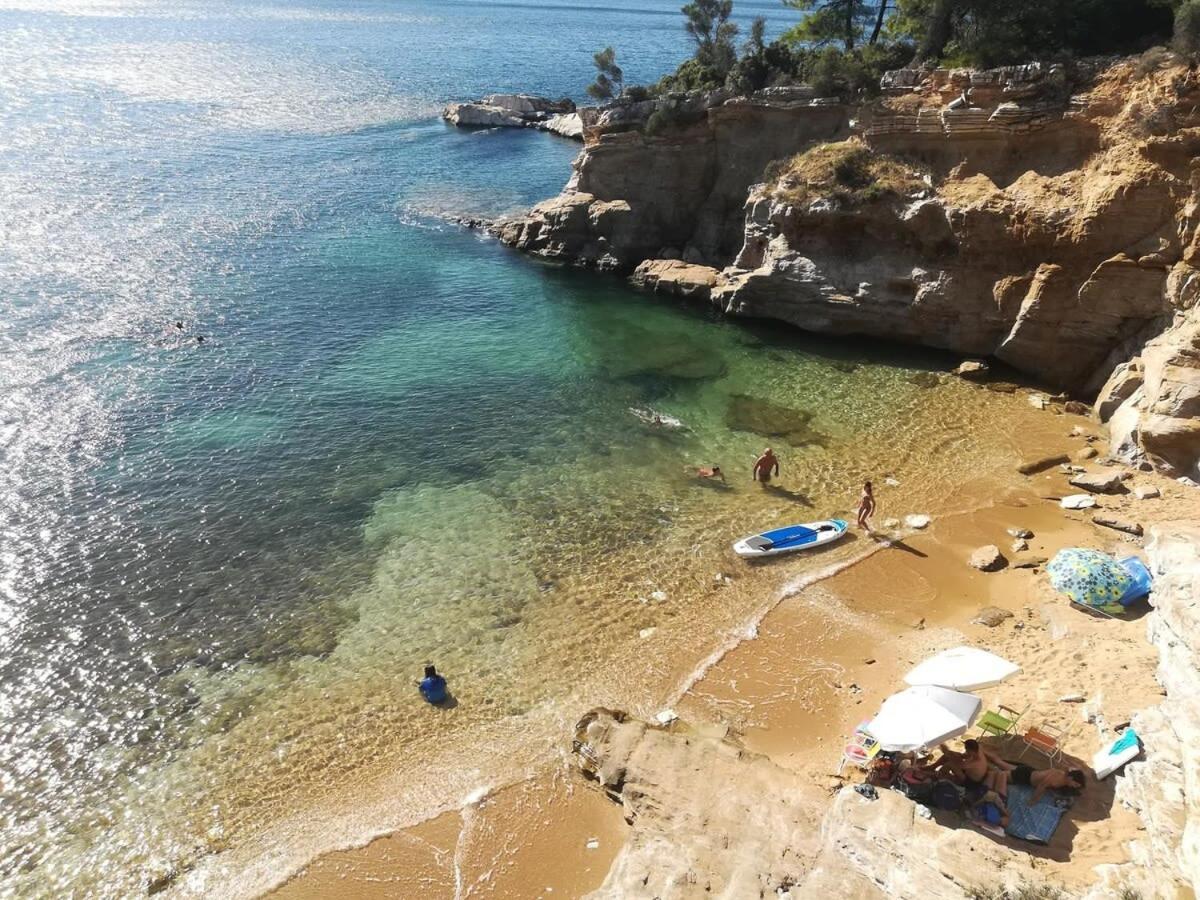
[972,370]
[746,413]
[924,379]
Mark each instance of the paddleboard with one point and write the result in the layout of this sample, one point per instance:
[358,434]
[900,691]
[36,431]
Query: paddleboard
[789,539]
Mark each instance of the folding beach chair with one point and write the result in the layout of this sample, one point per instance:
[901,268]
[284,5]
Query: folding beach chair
[1046,739]
[860,751]
[999,722]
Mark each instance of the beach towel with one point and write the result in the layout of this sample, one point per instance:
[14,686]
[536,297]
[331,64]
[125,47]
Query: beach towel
[1033,823]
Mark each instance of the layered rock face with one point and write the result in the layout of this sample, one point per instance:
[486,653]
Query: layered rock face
[1057,230]
[639,192]
[1164,787]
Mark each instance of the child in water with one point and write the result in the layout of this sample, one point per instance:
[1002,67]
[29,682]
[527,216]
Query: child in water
[866,507]
[433,686]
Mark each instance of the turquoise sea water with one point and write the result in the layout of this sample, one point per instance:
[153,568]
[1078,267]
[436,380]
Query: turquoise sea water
[222,564]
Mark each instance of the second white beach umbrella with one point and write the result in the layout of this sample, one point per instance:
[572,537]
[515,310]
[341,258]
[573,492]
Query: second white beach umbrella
[922,717]
[963,669]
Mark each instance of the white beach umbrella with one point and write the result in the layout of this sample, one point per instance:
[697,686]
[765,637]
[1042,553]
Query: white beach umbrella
[963,669]
[921,717]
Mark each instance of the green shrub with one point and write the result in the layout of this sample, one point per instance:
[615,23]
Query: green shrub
[1187,28]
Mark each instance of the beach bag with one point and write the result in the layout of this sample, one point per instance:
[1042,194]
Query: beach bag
[945,795]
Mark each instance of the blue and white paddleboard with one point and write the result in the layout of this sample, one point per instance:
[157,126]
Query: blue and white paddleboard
[789,539]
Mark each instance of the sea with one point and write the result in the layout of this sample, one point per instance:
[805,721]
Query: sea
[275,433]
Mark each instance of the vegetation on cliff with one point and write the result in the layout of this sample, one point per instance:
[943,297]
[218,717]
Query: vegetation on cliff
[842,47]
[846,172]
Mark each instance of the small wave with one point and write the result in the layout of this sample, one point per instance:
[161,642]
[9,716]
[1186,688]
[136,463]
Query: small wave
[748,631]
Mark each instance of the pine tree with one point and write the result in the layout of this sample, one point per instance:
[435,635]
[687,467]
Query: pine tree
[610,80]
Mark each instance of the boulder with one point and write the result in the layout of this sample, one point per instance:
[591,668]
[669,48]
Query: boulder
[675,277]
[1124,380]
[972,370]
[1098,482]
[988,559]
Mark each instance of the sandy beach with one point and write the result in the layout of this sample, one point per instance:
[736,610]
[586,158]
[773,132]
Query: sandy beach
[820,662]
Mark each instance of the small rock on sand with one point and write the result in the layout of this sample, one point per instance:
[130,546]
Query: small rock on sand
[917,521]
[1037,401]
[1086,453]
[1072,698]
[658,596]
[1077,501]
[991,616]
[891,523]
[988,559]
[1077,408]
[1098,482]
[1023,534]
[1032,563]
[1020,545]
[1146,493]
[646,632]
[1041,464]
[1124,525]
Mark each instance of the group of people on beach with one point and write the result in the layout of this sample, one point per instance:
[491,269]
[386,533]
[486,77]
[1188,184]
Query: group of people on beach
[986,778]
[766,467]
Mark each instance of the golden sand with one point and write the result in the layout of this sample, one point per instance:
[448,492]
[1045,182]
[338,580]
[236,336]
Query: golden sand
[821,662]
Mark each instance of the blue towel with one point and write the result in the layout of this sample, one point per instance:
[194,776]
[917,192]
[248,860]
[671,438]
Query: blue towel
[1033,823]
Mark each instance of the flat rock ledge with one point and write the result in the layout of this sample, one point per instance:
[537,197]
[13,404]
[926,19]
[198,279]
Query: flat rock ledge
[518,111]
[711,819]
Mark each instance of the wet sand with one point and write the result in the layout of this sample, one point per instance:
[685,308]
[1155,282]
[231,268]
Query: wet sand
[821,662]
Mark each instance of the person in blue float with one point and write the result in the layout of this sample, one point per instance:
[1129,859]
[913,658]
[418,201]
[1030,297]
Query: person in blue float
[433,686]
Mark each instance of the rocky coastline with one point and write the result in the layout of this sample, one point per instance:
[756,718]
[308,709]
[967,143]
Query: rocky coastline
[518,111]
[1054,228]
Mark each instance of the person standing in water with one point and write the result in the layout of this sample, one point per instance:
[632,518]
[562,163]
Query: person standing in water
[766,466]
[433,686]
[866,507]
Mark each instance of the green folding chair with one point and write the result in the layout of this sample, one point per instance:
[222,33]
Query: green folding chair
[999,722]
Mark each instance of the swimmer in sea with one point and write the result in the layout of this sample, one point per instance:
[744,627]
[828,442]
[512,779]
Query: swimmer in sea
[433,686]
[710,472]
[765,466]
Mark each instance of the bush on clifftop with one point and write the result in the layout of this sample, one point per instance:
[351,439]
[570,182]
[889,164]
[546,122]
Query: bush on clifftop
[847,172]
[1187,29]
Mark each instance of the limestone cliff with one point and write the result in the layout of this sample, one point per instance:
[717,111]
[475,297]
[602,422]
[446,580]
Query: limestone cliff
[1164,787]
[1056,227]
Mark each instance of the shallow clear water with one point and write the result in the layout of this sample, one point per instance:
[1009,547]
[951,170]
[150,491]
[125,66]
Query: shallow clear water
[222,564]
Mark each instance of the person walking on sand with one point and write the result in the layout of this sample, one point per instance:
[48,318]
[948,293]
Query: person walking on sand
[866,507]
[765,466]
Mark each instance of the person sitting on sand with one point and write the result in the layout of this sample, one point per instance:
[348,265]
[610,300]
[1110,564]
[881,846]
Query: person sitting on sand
[765,466]
[866,507]
[1042,780]
[433,686]
[990,808]
[710,472]
[982,769]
